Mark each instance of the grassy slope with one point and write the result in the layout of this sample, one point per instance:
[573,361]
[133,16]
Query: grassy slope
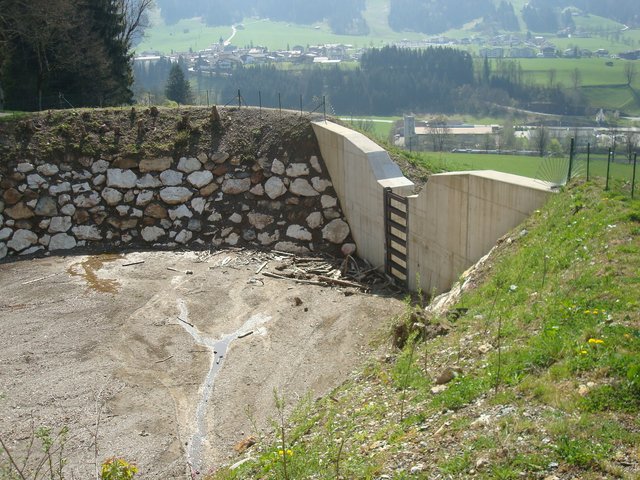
[549,351]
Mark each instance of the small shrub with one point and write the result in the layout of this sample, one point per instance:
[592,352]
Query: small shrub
[117,469]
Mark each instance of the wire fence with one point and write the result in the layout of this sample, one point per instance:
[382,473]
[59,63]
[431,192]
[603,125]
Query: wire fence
[603,166]
[609,169]
[305,105]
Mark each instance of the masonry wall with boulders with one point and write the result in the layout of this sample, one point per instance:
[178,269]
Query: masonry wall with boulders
[211,199]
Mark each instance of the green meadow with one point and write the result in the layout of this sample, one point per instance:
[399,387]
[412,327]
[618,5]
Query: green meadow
[546,168]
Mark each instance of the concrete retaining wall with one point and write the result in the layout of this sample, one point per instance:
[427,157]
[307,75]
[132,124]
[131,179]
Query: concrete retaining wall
[360,171]
[453,222]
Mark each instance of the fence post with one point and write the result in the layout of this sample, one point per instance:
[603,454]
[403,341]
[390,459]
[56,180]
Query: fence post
[570,160]
[280,103]
[606,187]
[239,99]
[588,159]
[633,180]
[300,105]
[208,97]
[260,100]
[324,107]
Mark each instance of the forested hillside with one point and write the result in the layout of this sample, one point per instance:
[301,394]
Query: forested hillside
[344,16]
[57,53]
[435,16]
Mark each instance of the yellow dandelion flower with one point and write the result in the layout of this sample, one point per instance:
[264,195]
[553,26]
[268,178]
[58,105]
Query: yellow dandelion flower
[587,312]
[583,352]
[595,341]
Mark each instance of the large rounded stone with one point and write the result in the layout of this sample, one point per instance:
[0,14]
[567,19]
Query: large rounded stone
[171,178]
[87,200]
[46,207]
[152,234]
[62,241]
[303,188]
[274,188]
[277,167]
[260,220]
[180,212]
[60,224]
[336,231]
[234,186]
[48,169]
[155,164]
[19,212]
[320,184]
[63,187]
[298,232]
[22,239]
[119,178]
[156,211]
[315,220]
[297,170]
[184,236]
[112,196]
[188,165]
[87,232]
[12,196]
[175,195]
[200,179]
[148,181]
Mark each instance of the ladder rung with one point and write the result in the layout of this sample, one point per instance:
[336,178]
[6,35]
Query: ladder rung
[398,240]
[395,266]
[397,226]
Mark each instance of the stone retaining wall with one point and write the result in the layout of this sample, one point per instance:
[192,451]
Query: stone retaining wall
[205,201]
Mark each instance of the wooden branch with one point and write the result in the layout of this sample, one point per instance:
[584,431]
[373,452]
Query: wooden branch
[342,283]
[306,282]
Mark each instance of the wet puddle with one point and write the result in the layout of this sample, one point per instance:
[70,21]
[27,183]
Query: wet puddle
[88,270]
[218,348]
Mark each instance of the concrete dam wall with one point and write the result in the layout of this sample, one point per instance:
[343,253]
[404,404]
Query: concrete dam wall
[452,223]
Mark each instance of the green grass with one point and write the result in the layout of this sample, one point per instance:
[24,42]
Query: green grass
[182,36]
[593,71]
[532,167]
[558,305]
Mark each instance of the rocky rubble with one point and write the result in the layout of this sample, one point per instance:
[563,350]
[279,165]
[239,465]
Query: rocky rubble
[205,200]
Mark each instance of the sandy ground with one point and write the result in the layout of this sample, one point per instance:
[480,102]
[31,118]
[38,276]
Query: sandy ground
[108,350]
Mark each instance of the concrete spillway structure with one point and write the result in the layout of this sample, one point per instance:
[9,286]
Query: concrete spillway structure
[453,222]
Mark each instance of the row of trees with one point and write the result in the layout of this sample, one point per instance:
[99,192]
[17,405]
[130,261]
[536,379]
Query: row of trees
[77,52]
[391,80]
